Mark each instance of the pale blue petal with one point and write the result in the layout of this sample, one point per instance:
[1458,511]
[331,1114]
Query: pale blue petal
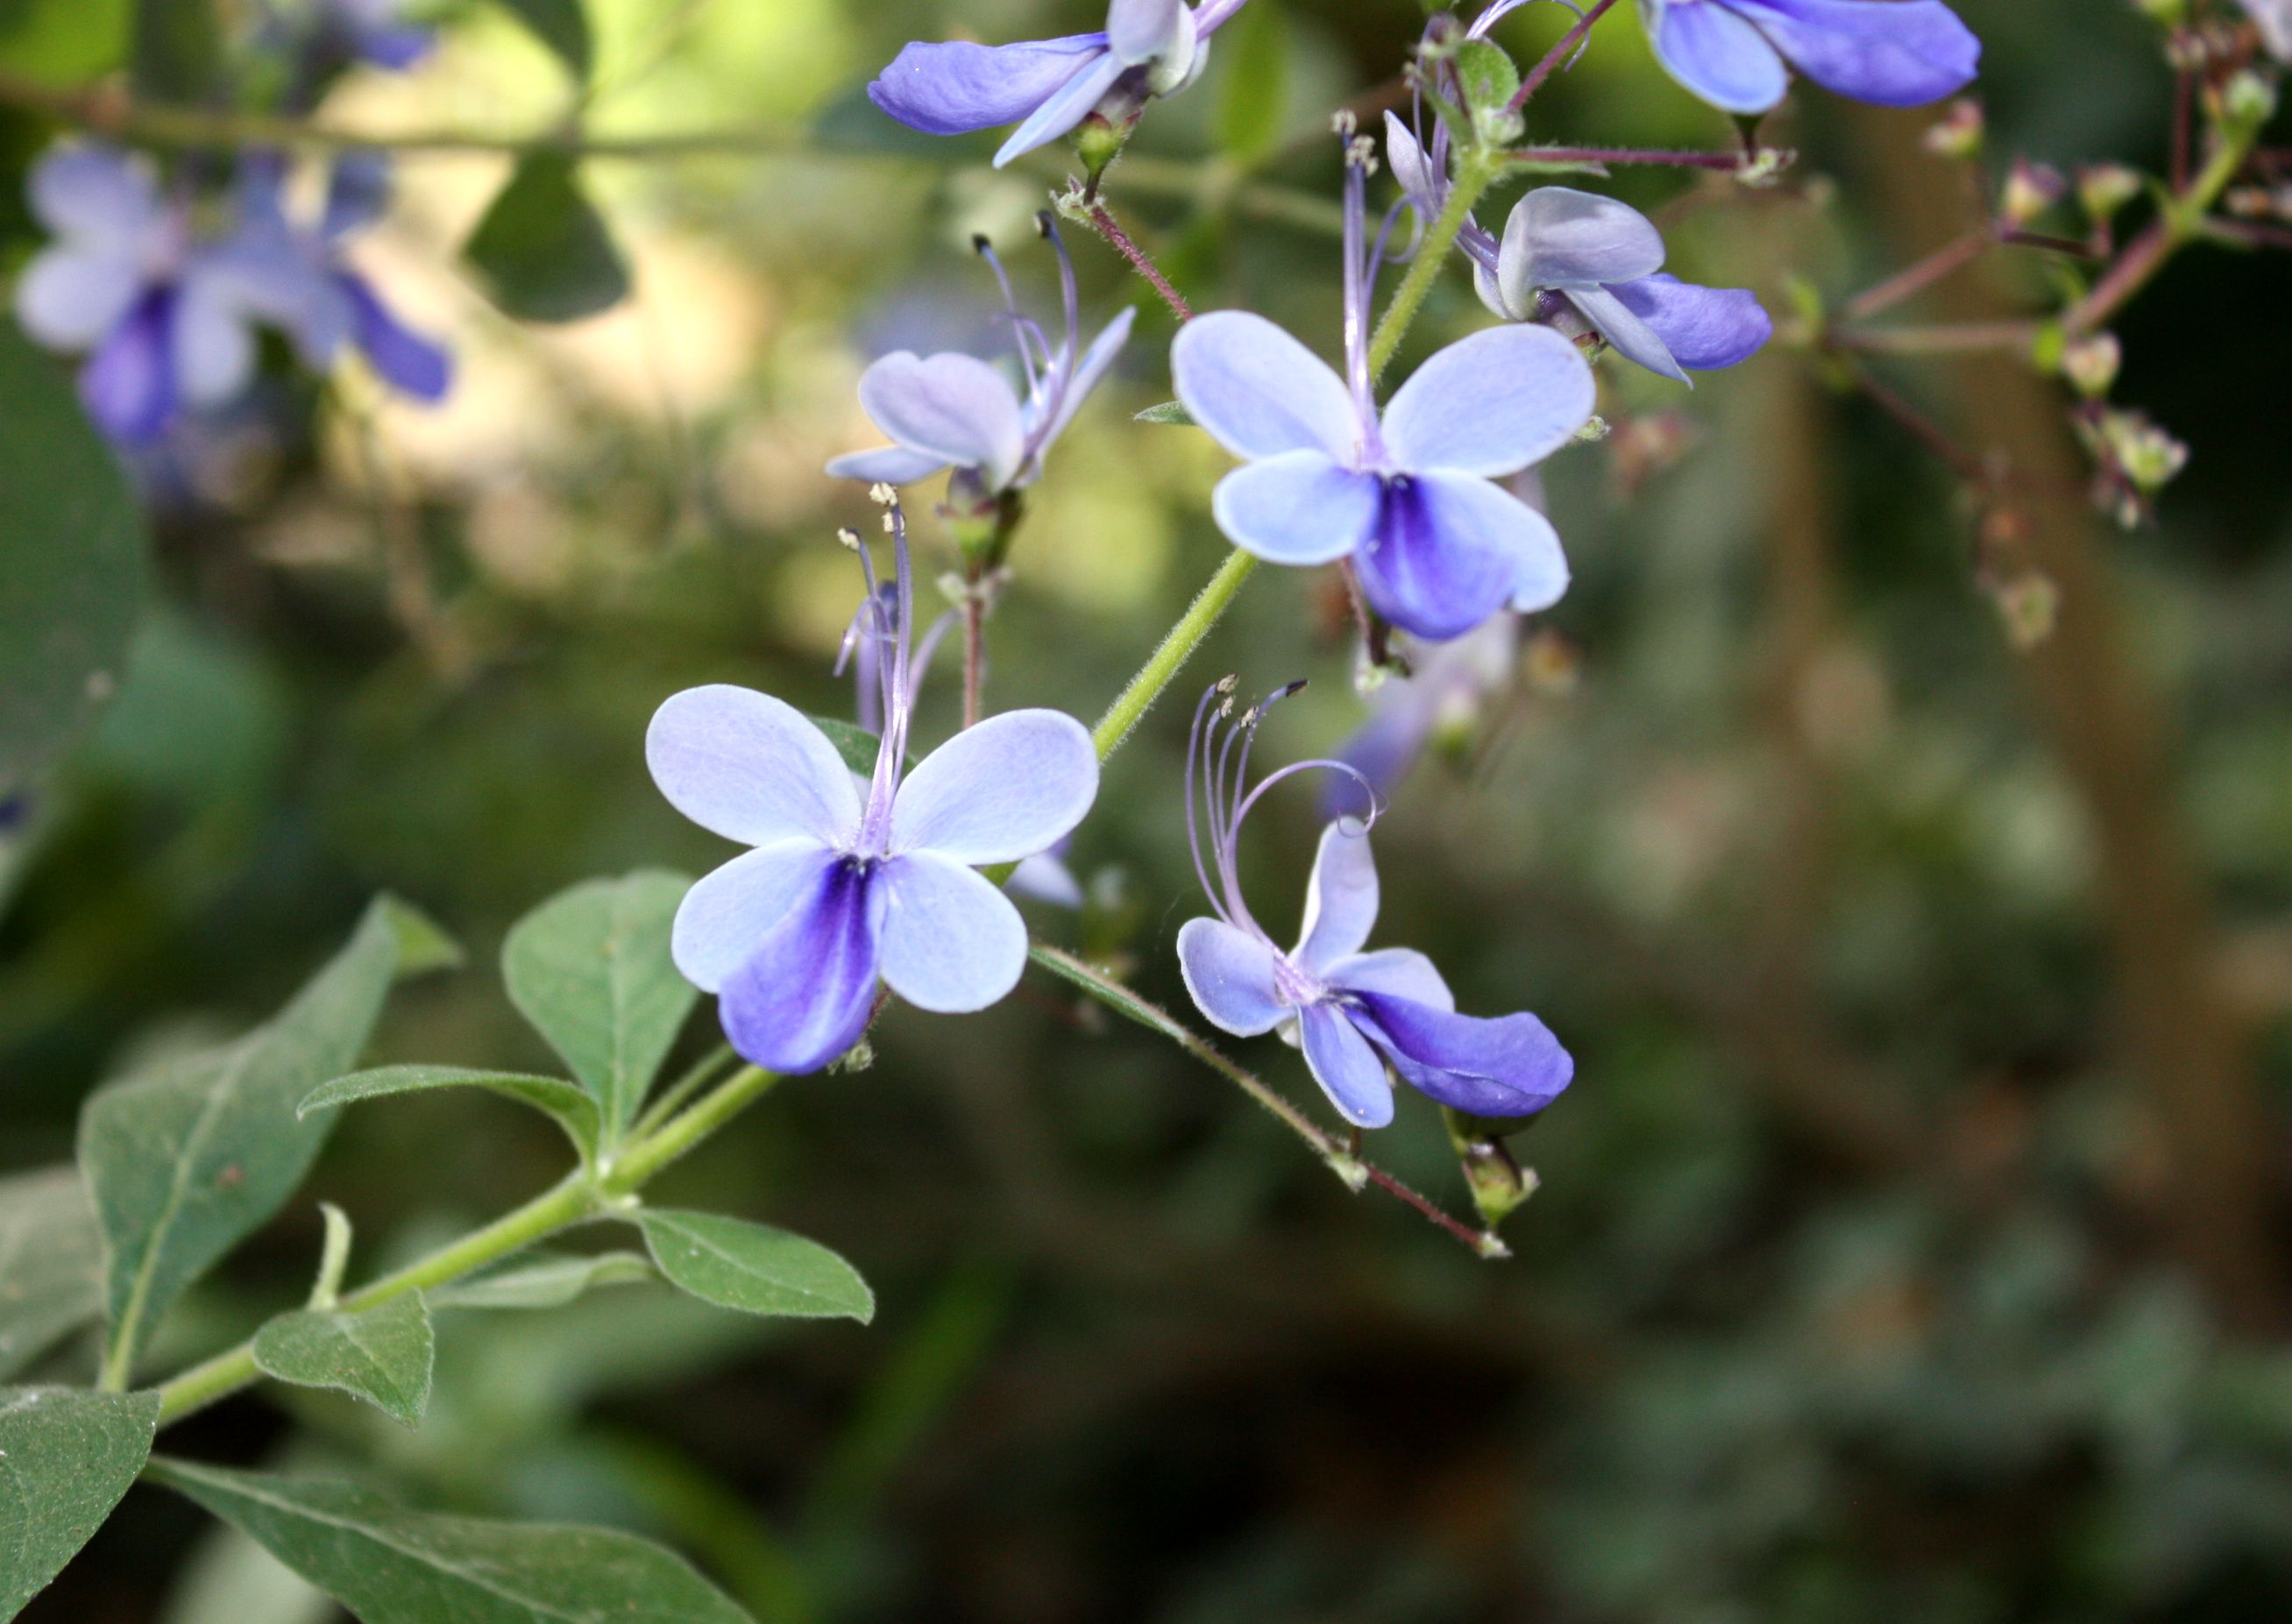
[1340,899]
[1491,404]
[1894,53]
[1299,508]
[952,942]
[1258,391]
[728,913]
[886,465]
[803,998]
[1509,1067]
[1103,353]
[214,346]
[1449,551]
[1400,973]
[1045,878]
[1411,168]
[955,407]
[1717,55]
[1229,973]
[1630,336]
[1065,110]
[1705,328]
[2274,17]
[96,196]
[1007,789]
[1557,236]
[68,298]
[1347,1069]
[953,88]
[750,767]
[1541,578]
[1139,31]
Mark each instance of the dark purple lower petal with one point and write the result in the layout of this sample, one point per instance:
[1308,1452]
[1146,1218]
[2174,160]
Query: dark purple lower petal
[1511,1066]
[1706,328]
[394,45]
[804,998]
[1895,52]
[128,385]
[406,361]
[1430,567]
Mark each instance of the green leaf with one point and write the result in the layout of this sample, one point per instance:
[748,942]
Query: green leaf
[178,50]
[1489,76]
[63,42]
[541,251]
[50,1263]
[1169,411]
[754,1268]
[563,27]
[856,745]
[546,1280]
[71,562]
[1253,106]
[66,1458]
[590,968]
[393,1567]
[572,1108]
[187,1160]
[382,1355]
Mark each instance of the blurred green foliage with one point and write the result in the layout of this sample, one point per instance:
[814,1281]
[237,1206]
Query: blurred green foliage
[1849,1294]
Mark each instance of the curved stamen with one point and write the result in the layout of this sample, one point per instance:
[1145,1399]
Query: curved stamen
[1357,367]
[1376,801]
[1197,739]
[1059,366]
[1022,326]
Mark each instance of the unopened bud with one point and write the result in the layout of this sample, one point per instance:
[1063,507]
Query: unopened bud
[2148,455]
[1098,141]
[2169,13]
[2103,189]
[2092,364]
[2247,100]
[2030,190]
[1498,1184]
[2029,604]
[1960,132]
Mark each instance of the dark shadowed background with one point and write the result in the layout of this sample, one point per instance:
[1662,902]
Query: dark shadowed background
[1912,1245]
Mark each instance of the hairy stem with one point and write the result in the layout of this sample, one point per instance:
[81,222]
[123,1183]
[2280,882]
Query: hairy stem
[1163,665]
[1101,220]
[1558,54]
[580,1196]
[1339,1156]
[1475,175]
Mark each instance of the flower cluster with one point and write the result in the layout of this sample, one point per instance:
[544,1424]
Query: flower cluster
[1421,497]
[161,281]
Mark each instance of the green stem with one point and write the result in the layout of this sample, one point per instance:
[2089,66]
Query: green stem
[1162,666]
[644,1160]
[1476,172]
[671,1098]
[579,1197]
[2179,223]
[1357,1172]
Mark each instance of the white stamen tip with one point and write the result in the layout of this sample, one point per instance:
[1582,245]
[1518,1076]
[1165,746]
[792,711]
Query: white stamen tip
[849,537]
[1343,122]
[883,493]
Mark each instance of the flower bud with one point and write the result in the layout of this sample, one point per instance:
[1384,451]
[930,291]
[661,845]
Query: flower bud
[1960,133]
[2148,456]
[2030,190]
[2166,13]
[2247,100]
[2103,189]
[2029,604]
[1498,1184]
[2091,364]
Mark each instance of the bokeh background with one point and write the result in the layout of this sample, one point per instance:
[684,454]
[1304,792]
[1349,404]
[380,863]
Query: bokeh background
[1912,1245]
